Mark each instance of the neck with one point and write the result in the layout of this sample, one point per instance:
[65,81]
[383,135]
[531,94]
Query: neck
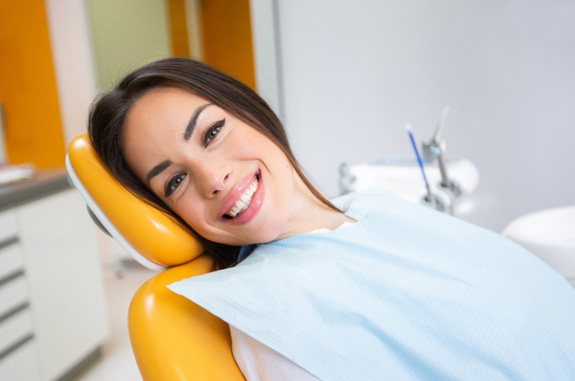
[310,213]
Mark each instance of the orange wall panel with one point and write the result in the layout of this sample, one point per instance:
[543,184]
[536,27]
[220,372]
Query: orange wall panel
[28,90]
[178,28]
[227,38]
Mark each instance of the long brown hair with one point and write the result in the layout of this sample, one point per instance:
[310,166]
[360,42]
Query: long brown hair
[109,111]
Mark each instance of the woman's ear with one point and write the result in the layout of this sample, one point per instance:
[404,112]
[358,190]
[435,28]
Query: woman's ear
[151,236]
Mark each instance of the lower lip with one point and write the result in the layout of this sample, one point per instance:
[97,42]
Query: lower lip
[255,204]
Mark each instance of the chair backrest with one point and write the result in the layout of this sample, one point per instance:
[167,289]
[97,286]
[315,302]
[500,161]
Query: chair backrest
[172,338]
[152,237]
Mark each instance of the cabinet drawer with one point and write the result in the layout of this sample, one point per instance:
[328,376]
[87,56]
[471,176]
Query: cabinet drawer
[21,364]
[13,294]
[15,329]
[8,227]
[11,259]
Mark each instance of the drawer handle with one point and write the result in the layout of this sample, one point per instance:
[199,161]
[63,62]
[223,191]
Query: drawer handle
[14,311]
[12,348]
[8,241]
[11,277]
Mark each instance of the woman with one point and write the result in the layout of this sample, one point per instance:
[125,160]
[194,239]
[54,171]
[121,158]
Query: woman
[232,106]
[367,288]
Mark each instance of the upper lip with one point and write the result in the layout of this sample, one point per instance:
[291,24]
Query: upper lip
[235,193]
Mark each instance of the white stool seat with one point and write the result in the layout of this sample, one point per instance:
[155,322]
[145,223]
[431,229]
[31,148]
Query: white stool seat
[549,234]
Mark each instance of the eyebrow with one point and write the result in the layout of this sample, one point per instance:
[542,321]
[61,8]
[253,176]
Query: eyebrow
[157,170]
[193,121]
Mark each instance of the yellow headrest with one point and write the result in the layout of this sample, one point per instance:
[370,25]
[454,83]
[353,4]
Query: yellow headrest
[152,237]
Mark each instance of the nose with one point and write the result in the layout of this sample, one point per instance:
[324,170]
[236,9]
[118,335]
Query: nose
[212,177]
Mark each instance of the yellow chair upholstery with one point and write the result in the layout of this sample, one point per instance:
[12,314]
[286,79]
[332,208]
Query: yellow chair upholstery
[172,338]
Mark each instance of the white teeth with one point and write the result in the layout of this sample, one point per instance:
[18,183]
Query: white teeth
[244,200]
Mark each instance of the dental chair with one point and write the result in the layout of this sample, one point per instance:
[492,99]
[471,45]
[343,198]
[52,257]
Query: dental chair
[173,339]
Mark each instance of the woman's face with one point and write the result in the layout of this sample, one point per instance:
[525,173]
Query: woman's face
[229,182]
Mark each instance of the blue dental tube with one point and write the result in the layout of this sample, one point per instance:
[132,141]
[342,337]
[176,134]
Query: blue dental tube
[409,130]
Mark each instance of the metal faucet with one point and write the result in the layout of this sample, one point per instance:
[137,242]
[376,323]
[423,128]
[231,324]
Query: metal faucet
[435,149]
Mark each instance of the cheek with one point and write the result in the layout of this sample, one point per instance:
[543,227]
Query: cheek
[248,142]
[244,149]
[192,215]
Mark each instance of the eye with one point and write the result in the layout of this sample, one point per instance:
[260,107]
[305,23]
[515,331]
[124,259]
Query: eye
[212,132]
[173,184]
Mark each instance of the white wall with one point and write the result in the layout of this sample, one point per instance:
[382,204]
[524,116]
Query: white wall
[72,52]
[265,36]
[355,72]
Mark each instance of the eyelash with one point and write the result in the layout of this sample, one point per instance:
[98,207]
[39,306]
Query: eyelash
[212,132]
[173,184]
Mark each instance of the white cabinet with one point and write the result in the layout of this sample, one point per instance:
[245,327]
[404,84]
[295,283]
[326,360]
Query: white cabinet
[18,346]
[50,287]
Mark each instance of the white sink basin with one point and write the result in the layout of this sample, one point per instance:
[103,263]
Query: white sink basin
[401,177]
[549,234]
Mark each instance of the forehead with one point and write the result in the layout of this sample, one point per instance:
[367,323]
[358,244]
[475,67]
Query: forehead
[161,110]
[161,103]
[155,122]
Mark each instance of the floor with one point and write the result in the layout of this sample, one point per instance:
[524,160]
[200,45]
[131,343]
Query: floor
[117,362]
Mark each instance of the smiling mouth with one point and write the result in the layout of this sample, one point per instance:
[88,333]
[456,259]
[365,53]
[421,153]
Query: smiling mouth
[243,203]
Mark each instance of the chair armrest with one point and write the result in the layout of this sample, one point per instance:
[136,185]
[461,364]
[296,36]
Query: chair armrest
[175,339]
